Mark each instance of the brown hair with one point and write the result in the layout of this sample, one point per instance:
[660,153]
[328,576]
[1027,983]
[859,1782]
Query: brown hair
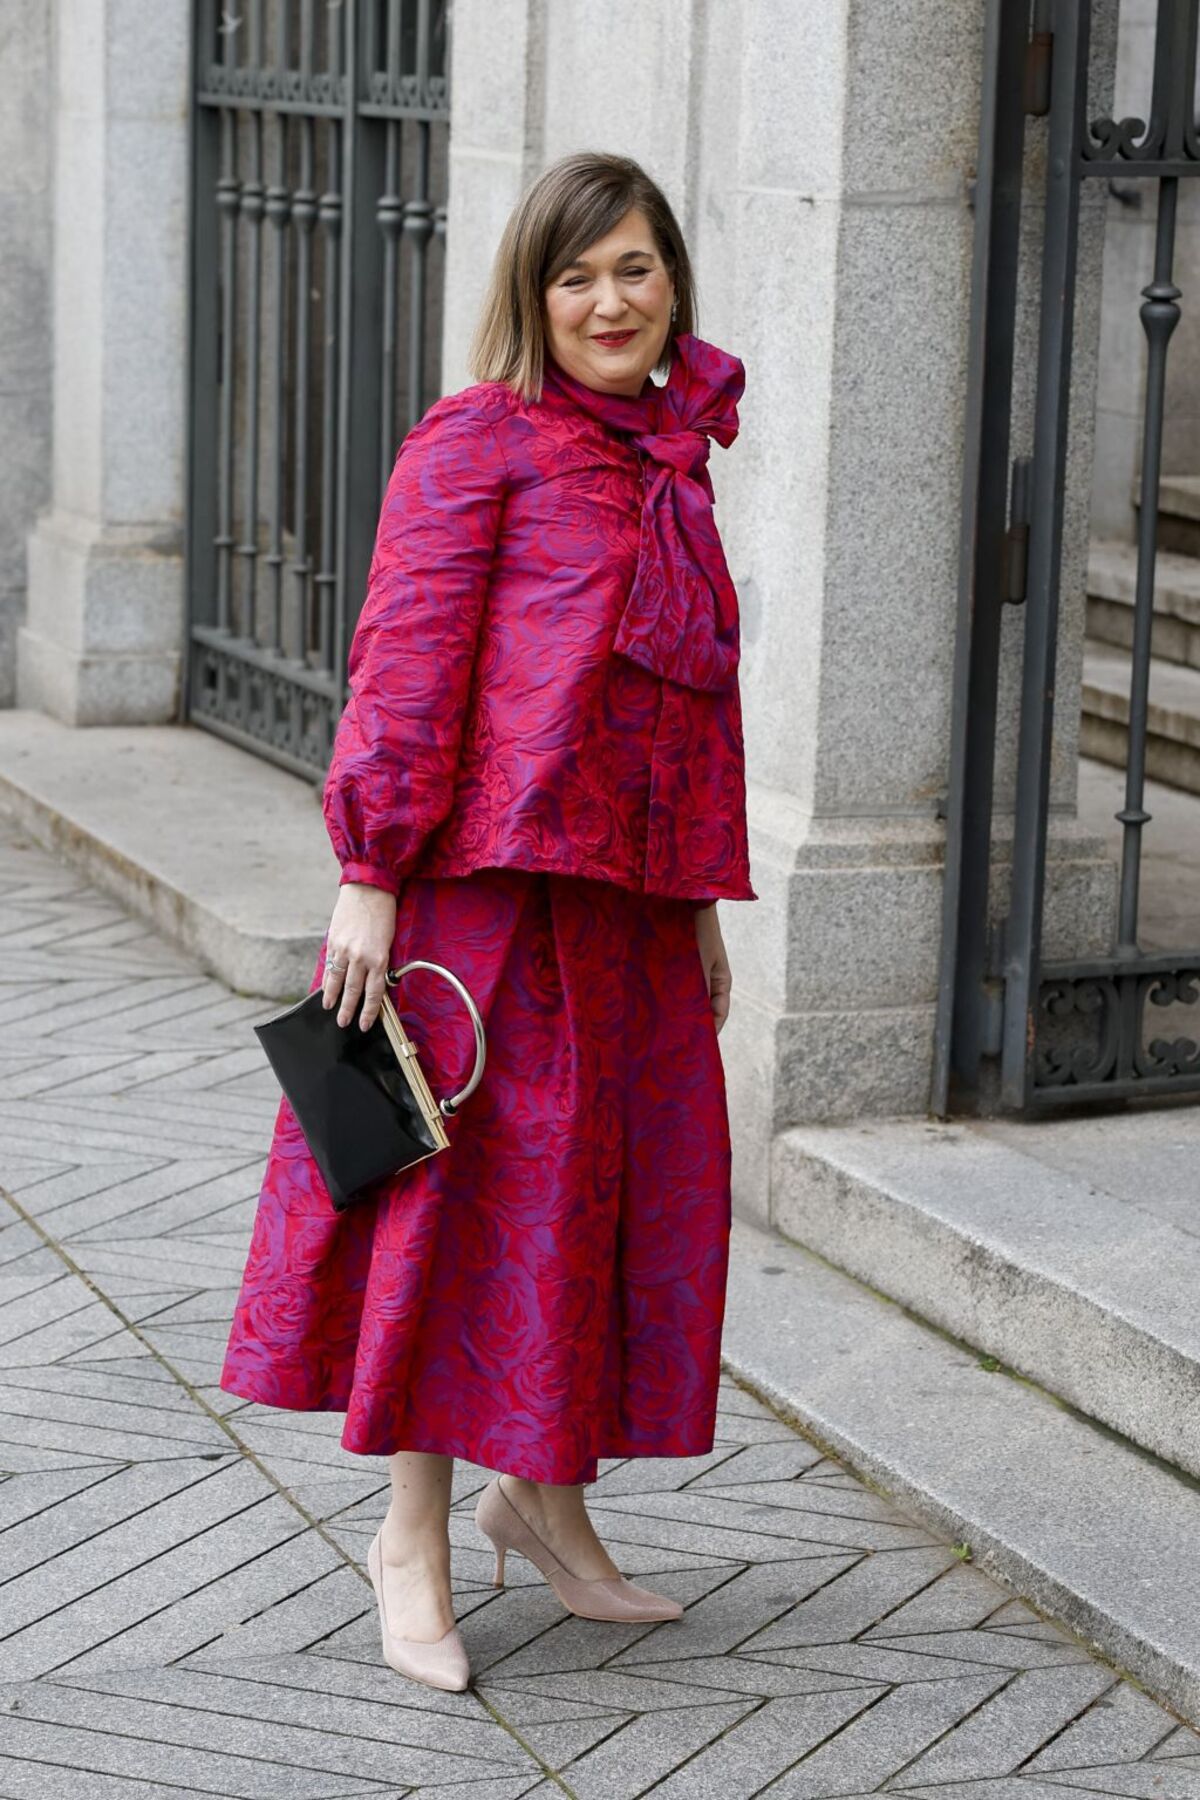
[576,200]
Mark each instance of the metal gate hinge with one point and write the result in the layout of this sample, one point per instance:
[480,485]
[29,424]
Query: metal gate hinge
[1016,538]
[1039,55]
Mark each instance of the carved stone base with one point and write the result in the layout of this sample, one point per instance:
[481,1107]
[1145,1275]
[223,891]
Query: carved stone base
[835,966]
[102,641]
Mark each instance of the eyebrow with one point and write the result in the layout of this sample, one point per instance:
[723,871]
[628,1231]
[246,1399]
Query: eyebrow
[581,262]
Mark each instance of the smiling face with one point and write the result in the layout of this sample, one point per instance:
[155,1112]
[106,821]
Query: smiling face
[608,312]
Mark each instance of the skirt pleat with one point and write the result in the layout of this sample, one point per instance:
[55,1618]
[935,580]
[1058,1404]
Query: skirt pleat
[549,1290]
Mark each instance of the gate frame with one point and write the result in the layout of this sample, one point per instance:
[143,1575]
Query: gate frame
[992,997]
[358,436]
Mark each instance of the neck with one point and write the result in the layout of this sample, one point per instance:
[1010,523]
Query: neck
[626,391]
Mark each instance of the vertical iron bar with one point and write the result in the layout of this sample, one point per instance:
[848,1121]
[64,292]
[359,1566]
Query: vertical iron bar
[1072,21]
[228,203]
[365,387]
[393,52]
[418,228]
[330,215]
[253,198]
[304,212]
[199,523]
[389,214]
[421,57]
[279,210]
[1174,76]
[1159,316]
[1187,61]
[961,1024]
[357,69]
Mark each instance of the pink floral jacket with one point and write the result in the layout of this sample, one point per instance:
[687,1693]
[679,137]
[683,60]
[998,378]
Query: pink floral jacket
[544,672]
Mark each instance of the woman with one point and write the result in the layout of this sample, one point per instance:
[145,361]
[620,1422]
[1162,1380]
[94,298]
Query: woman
[538,780]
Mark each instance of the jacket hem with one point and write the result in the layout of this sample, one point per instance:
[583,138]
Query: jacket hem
[698,893]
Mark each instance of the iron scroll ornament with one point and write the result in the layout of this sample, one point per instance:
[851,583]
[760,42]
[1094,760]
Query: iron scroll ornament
[1121,140]
[1171,134]
[1115,1004]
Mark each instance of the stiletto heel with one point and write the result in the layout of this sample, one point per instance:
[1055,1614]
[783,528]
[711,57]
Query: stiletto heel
[441,1664]
[610,1597]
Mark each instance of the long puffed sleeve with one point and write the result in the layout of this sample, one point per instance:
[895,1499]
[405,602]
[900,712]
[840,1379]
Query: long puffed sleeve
[395,753]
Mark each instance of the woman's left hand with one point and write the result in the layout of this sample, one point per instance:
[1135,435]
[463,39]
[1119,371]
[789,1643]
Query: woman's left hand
[715,962]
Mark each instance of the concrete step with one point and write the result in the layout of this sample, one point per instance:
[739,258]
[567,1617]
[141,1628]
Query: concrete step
[1098,1535]
[1178,513]
[224,853]
[1068,1248]
[1112,583]
[1173,718]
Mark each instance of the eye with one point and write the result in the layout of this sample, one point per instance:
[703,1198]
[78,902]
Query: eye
[637,271]
[575,281]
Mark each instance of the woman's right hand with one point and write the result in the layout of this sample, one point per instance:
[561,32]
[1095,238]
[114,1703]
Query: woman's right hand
[357,950]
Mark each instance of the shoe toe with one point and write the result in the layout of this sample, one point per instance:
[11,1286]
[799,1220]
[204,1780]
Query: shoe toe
[659,1604]
[442,1664]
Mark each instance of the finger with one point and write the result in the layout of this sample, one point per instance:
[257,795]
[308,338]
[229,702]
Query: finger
[719,996]
[332,977]
[374,994]
[710,973]
[356,975]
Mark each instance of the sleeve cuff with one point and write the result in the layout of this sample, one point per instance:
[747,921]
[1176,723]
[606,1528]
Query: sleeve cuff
[369,875]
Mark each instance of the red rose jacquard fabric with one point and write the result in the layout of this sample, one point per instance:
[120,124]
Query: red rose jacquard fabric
[549,1290]
[544,674]
[681,617]
[542,757]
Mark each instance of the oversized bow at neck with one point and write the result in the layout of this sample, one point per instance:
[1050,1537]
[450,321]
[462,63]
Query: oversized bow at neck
[681,616]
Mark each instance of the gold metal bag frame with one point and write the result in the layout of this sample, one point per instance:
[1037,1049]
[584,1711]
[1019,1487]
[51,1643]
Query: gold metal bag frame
[406,1052]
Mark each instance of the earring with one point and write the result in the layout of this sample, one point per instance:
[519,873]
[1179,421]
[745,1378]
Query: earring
[674,307]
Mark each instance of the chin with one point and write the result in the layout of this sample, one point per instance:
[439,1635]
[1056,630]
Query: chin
[617,368]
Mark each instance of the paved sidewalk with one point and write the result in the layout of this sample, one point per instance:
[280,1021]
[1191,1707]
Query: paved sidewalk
[184,1607]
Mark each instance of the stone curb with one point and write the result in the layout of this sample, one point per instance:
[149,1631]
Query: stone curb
[1089,1529]
[247,892]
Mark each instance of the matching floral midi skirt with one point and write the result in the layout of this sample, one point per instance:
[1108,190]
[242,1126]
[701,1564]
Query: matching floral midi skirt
[549,1290]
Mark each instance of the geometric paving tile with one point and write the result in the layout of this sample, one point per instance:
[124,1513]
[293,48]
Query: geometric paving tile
[173,1622]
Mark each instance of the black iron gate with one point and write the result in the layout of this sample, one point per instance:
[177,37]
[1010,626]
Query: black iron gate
[320,134]
[1065,1031]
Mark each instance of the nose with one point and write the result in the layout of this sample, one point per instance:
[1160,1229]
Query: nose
[609,301]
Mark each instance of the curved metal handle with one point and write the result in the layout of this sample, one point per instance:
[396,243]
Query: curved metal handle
[451,1105]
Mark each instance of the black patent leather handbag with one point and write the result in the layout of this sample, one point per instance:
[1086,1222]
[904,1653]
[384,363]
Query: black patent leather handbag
[361,1098]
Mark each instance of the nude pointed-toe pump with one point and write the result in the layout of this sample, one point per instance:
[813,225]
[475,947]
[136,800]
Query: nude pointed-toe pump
[441,1664]
[609,1597]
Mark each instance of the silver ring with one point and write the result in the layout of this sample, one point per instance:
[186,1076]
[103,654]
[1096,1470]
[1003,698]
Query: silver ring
[339,968]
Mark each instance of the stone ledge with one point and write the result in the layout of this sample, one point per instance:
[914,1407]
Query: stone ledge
[1091,1530]
[223,852]
[1039,1251]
